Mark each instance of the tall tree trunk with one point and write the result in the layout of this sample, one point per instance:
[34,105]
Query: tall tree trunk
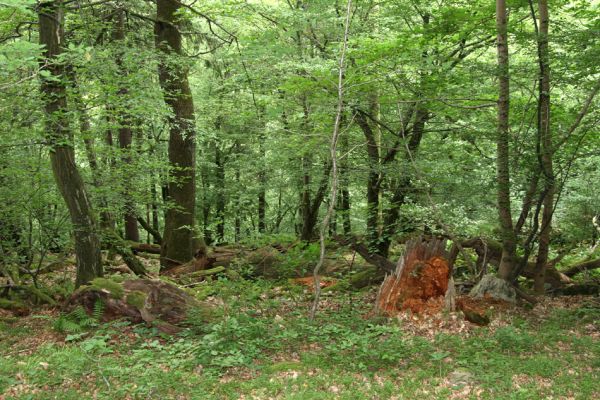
[178,239]
[509,244]
[60,138]
[220,185]
[373,184]
[545,148]
[262,176]
[125,133]
[238,206]
[207,233]
[344,209]
[307,230]
[155,223]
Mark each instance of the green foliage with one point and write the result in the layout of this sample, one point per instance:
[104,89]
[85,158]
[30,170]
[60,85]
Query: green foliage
[78,320]
[298,260]
[262,345]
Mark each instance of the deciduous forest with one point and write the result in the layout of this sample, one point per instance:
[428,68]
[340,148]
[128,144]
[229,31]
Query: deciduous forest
[303,199]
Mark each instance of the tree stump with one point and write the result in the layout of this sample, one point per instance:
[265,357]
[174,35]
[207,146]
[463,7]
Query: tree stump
[420,280]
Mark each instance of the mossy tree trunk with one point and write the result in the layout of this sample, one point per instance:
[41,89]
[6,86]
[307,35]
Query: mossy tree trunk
[60,139]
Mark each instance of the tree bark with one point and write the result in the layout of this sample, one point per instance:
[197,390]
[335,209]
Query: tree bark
[509,244]
[373,180]
[545,149]
[220,186]
[60,139]
[344,185]
[262,180]
[125,134]
[178,237]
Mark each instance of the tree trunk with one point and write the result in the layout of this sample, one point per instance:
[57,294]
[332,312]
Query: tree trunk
[155,223]
[220,184]
[262,177]
[178,237]
[238,206]
[545,148]
[509,244]
[344,185]
[373,182]
[60,139]
[125,134]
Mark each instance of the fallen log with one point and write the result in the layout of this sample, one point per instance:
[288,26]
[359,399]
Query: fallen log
[582,266]
[156,234]
[206,272]
[155,302]
[378,261]
[145,247]
[121,247]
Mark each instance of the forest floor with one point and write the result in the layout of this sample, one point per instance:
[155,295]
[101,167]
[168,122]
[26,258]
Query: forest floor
[260,345]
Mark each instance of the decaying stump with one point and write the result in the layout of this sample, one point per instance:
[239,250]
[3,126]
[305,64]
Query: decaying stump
[420,280]
[140,300]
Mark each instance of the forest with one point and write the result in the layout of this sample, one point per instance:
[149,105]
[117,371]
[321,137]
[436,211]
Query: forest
[299,199]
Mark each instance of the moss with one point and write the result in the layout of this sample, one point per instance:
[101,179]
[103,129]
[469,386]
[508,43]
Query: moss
[136,299]
[114,288]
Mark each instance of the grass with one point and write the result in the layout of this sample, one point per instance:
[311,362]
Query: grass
[262,346]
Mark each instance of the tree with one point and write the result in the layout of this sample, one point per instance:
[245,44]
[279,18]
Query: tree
[178,238]
[60,139]
[545,146]
[509,243]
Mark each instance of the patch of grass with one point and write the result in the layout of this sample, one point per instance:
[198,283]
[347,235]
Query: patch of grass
[261,345]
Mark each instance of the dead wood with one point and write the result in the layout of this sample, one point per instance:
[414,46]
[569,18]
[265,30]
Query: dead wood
[582,266]
[420,280]
[156,234]
[378,261]
[155,302]
[145,247]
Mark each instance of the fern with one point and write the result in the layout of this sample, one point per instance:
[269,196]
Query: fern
[65,325]
[98,310]
[78,319]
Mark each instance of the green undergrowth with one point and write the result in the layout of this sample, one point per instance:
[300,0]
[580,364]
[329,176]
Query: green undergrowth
[261,345]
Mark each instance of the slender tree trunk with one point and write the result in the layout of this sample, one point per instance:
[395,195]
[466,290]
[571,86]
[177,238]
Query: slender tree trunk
[373,184]
[155,223]
[178,239]
[60,138]
[208,238]
[509,244]
[238,205]
[546,149]
[220,184]
[344,185]
[125,133]
[262,177]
